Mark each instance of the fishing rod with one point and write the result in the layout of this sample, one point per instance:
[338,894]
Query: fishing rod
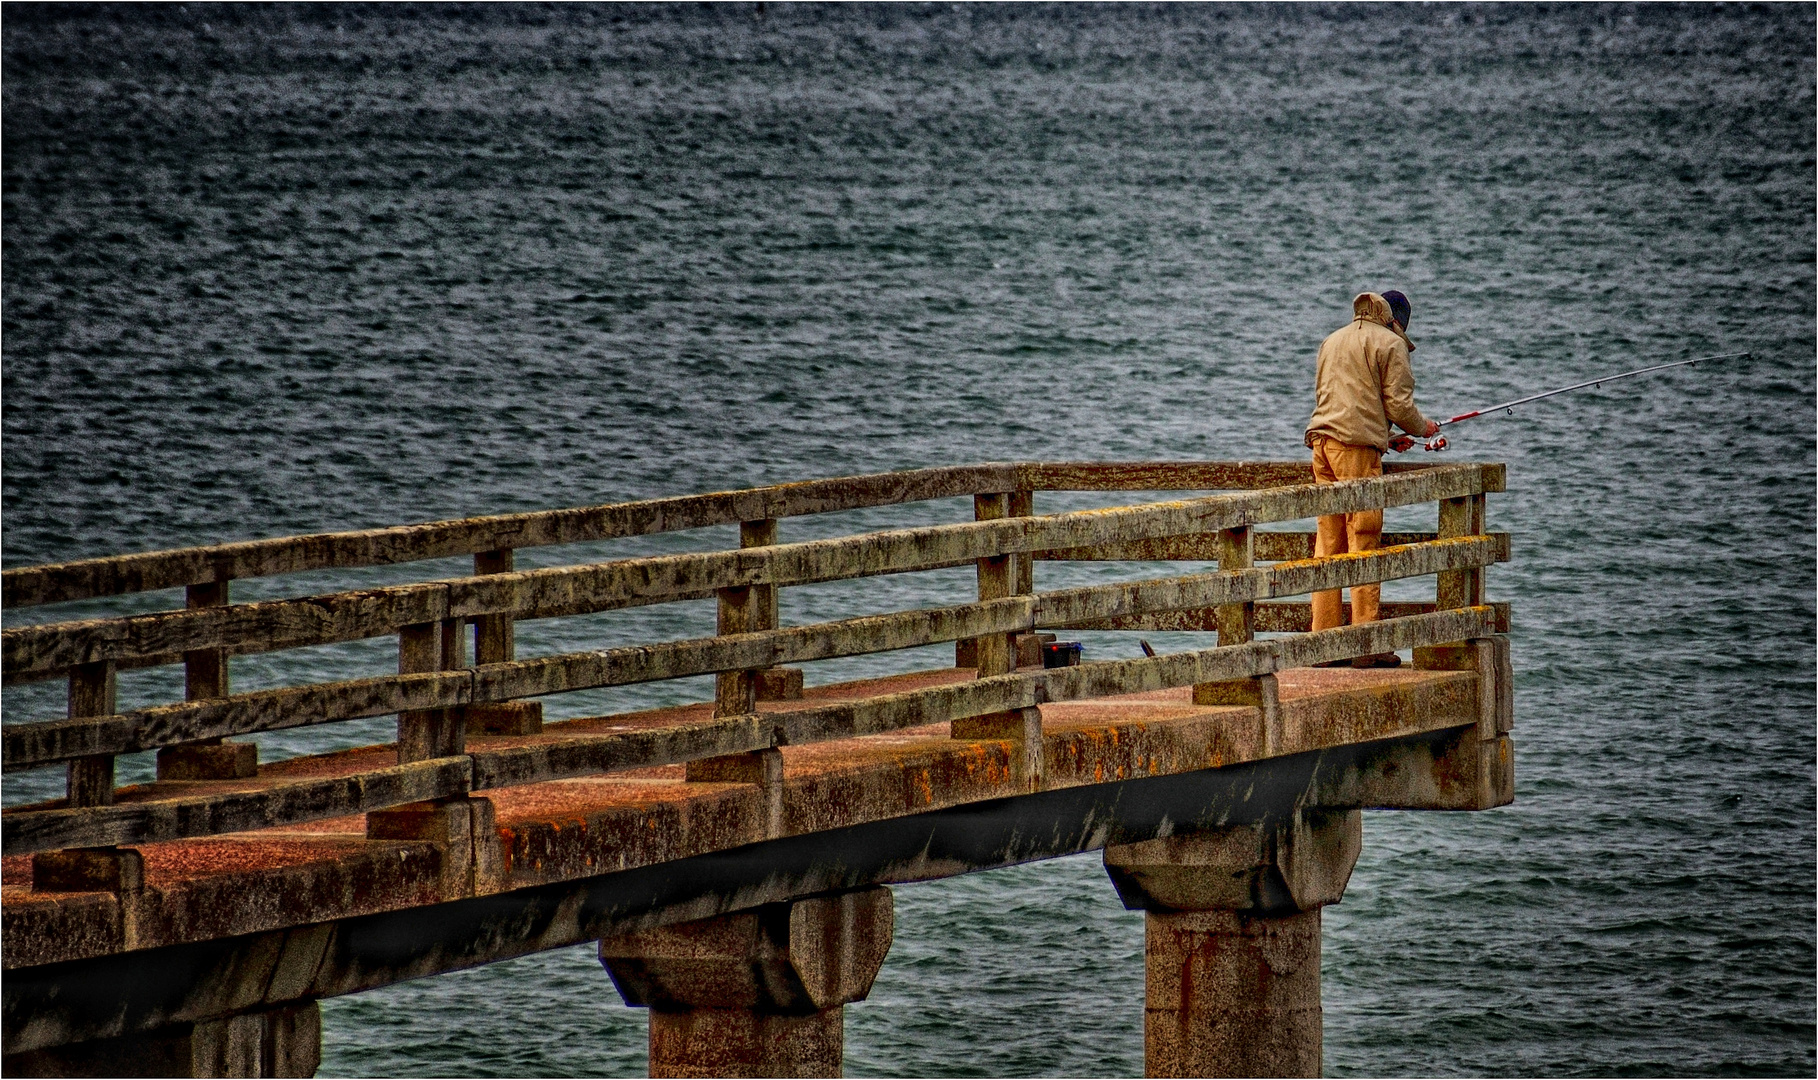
[1438,442]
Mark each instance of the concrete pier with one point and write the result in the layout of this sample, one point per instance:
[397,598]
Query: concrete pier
[1232,941]
[755,993]
[733,857]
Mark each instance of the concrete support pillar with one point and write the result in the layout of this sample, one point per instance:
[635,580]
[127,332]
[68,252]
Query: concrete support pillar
[1232,941]
[1231,994]
[754,993]
[274,1042]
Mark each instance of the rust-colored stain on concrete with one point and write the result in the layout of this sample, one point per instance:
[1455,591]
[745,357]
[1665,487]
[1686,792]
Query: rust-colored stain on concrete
[567,829]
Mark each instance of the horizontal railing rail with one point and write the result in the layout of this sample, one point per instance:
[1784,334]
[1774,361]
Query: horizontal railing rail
[1278,546]
[118,575]
[1203,547]
[437,687]
[50,649]
[33,745]
[312,800]
[148,571]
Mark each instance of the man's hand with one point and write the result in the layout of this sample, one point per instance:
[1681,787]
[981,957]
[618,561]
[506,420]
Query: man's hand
[1432,429]
[1401,444]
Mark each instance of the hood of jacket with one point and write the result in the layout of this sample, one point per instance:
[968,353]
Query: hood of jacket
[1371,307]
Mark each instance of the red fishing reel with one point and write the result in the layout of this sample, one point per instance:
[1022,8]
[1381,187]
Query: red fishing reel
[1437,443]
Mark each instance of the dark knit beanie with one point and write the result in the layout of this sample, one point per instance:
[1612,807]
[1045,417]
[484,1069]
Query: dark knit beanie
[1398,307]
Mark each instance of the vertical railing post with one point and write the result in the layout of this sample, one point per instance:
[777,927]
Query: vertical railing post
[494,636]
[90,780]
[995,654]
[1236,549]
[495,642]
[991,654]
[1026,647]
[205,670]
[463,826]
[1487,656]
[760,533]
[735,692]
[430,733]
[743,609]
[1462,516]
[776,683]
[92,692]
[1022,504]
[205,676]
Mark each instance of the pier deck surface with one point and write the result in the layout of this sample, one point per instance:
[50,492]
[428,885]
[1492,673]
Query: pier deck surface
[567,829]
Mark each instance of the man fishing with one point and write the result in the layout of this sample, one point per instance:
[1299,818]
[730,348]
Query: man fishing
[1364,383]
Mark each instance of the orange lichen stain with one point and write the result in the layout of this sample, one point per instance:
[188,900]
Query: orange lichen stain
[1098,772]
[923,788]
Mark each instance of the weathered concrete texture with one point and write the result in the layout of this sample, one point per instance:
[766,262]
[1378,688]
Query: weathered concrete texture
[1231,994]
[217,761]
[1232,947]
[732,1042]
[208,979]
[276,1042]
[1490,658]
[1021,730]
[1284,867]
[780,683]
[406,543]
[569,829]
[754,993]
[465,833]
[205,889]
[505,718]
[38,650]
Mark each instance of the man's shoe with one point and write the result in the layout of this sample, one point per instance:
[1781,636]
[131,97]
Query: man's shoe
[1381,659]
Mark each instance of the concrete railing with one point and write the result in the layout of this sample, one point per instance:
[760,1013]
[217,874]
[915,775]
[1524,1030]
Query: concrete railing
[440,697]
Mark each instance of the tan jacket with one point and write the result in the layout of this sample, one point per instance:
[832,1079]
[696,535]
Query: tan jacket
[1364,380]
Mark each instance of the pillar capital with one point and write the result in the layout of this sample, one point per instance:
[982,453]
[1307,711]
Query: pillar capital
[758,992]
[1265,868]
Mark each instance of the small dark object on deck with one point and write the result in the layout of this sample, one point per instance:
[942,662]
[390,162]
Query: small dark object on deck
[1061,654]
[1148,649]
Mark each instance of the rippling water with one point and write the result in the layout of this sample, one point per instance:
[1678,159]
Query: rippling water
[280,270]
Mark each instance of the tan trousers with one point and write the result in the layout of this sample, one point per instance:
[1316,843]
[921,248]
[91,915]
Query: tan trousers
[1339,533]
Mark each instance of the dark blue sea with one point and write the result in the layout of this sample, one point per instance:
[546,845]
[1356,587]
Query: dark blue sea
[284,269]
